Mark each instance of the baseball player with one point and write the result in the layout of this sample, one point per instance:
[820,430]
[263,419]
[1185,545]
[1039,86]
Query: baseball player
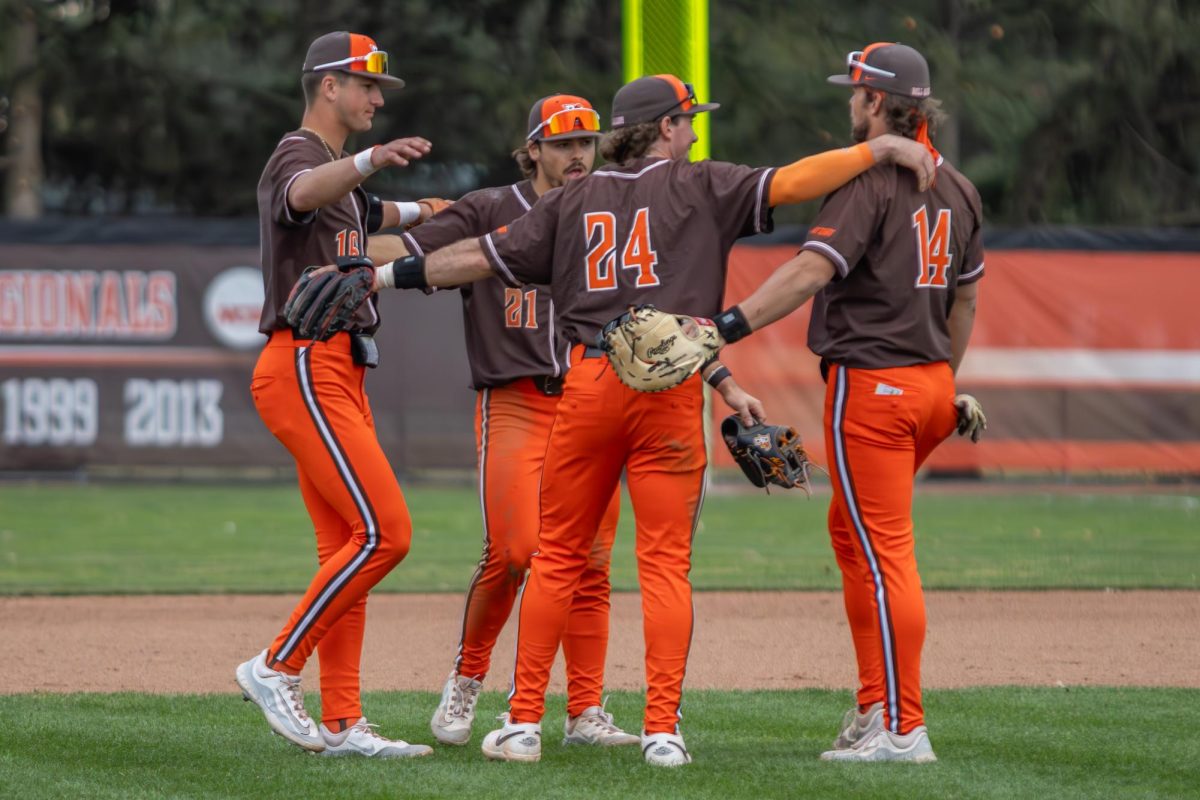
[518,358]
[310,395]
[895,270]
[650,227]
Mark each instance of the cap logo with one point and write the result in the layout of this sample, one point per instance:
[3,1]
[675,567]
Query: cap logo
[618,120]
[920,91]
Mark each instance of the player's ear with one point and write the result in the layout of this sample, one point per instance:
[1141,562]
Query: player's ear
[535,151]
[329,84]
[664,125]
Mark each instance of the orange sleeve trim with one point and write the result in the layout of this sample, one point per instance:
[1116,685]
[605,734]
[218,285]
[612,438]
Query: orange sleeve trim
[812,177]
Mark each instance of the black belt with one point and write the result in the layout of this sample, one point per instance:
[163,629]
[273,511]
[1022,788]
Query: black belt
[592,352]
[549,385]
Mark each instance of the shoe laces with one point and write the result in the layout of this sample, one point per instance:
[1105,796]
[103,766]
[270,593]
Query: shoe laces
[600,719]
[368,729]
[295,694]
[462,697]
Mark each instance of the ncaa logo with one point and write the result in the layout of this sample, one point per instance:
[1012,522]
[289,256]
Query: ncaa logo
[762,441]
[232,305]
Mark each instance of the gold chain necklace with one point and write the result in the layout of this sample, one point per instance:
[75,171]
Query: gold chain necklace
[324,143]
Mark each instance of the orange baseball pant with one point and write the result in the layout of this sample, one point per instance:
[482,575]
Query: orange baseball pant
[310,396]
[512,428]
[603,427]
[880,426]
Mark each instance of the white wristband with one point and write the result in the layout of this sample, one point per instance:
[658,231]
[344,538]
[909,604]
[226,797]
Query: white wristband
[362,163]
[385,277]
[409,212]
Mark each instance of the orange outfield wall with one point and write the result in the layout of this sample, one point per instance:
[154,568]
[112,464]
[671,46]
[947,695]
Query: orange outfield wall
[1084,360]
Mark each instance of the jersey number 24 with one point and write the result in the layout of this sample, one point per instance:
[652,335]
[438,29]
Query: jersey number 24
[600,230]
[933,249]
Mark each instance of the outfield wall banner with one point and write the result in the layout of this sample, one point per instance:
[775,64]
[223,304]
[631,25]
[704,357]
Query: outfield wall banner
[137,350]
[1084,361]
[129,354]
[141,355]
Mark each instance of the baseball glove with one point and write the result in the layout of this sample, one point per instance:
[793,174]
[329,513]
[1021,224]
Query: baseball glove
[768,453]
[651,350]
[324,303]
[971,420]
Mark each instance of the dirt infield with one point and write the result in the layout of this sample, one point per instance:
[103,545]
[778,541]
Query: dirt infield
[763,640]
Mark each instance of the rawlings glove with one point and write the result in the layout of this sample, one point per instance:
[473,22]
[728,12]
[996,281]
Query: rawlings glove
[971,421]
[324,303]
[768,453]
[651,350]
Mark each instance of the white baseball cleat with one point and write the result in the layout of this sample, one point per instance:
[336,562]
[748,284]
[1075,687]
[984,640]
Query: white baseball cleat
[451,723]
[594,725]
[665,750]
[360,740]
[516,741]
[856,726]
[883,745]
[282,702]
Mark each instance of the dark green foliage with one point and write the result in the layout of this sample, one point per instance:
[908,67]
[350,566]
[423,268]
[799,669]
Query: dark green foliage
[1062,111]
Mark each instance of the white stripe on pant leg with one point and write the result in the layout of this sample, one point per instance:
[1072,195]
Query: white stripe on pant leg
[347,572]
[843,474]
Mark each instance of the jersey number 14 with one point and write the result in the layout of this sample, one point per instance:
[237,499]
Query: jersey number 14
[933,249]
[600,229]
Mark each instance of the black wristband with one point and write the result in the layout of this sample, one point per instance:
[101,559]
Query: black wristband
[732,324]
[409,272]
[719,374]
[347,263]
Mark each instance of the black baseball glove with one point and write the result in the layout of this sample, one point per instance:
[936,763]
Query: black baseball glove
[768,453]
[324,303]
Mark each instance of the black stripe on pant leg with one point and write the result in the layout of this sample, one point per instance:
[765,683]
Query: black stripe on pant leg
[361,500]
[484,420]
[691,543]
[846,477]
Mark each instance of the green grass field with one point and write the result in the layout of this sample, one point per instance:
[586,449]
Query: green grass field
[169,538]
[1006,742]
[993,743]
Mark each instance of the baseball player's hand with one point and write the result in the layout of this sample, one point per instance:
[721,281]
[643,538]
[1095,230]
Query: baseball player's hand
[903,152]
[432,205]
[399,152]
[748,408]
[971,421]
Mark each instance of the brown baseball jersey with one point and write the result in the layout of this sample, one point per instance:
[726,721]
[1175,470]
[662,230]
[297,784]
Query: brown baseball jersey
[510,330]
[292,241]
[652,230]
[899,255]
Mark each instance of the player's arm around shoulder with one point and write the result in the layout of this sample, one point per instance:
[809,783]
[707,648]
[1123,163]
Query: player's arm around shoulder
[820,174]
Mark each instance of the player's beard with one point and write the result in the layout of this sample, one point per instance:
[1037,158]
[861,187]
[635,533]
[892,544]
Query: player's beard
[858,131]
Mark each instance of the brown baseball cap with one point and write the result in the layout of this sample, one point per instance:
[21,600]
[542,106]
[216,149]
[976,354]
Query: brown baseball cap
[562,116]
[652,97]
[887,66]
[352,53]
